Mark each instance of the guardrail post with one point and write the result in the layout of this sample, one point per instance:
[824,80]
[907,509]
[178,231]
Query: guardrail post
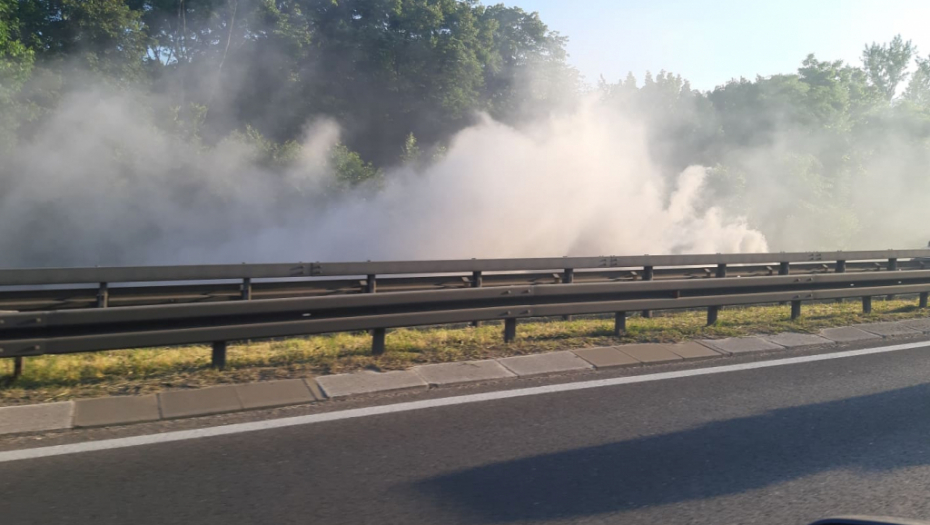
[568,277]
[17,367]
[866,305]
[712,313]
[795,309]
[923,300]
[784,268]
[247,289]
[219,355]
[721,270]
[510,329]
[619,323]
[103,296]
[377,341]
[476,282]
[892,267]
[648,274]
[840,268]
[377,335]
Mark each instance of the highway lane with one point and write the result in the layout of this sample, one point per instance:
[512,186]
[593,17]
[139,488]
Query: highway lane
[781,445]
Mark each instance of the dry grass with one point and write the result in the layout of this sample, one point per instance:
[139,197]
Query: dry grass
[51,378]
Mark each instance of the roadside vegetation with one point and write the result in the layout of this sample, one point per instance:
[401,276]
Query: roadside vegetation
[56,378]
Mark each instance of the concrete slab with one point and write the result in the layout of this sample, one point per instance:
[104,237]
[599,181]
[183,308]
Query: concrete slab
[550,363]
[464,372]
[847,334]
[199,402]
[341,385]
[649,353]
[315,388]
[887,329]
[606,357]
[796,340]
[692,350]
[120,410]
[741,345]
[274,393]
[36,418]
[921,325]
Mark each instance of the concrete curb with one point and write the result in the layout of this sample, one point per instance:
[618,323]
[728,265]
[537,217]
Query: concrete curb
[122,410]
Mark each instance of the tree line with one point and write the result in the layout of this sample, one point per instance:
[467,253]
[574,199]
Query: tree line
[384,69]
[403,76]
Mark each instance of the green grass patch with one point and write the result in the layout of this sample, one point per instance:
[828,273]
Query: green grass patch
[54,378]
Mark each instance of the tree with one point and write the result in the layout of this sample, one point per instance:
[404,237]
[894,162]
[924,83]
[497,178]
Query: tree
[918,89]
[526,68]
[16,63]
[411,155]
[104,37]
[886,64]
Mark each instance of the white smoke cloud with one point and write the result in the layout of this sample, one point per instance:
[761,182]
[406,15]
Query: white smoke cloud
[99,186]
[577,184]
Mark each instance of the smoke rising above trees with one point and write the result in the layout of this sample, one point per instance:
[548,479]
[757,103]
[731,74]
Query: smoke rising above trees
[185,131]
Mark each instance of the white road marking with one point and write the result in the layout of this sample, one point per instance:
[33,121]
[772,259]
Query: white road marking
[225,430]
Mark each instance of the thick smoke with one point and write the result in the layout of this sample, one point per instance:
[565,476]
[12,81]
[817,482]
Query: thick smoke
[99,186]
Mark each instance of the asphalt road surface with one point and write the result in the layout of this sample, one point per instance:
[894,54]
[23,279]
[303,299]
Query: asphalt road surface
[780,445]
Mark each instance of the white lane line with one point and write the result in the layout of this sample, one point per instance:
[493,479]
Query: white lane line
[182,435]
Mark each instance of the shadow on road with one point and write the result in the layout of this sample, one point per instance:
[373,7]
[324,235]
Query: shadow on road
[876,433]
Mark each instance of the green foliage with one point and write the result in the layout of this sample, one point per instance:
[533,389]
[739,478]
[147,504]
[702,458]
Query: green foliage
[16,63]
[918,89]
[350,169]
[411,156]
[886,64]
[401,77]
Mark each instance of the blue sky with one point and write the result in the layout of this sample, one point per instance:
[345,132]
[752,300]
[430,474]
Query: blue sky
[709,42]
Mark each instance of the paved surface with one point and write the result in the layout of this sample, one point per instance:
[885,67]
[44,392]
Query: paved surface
[262,395]
[342,385]
[550,363]
[740,345]
[606,357]
[462,372]
[33,418]
[848,334]
[793,340]
[781,445]
[115,410]
[888,329]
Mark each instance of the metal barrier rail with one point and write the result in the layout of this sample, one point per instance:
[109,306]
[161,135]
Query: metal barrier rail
[42,276]
[95,329]
[173,288]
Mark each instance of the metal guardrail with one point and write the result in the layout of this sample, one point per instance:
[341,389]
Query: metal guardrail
[94,329]
[43,276]
[63,288]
